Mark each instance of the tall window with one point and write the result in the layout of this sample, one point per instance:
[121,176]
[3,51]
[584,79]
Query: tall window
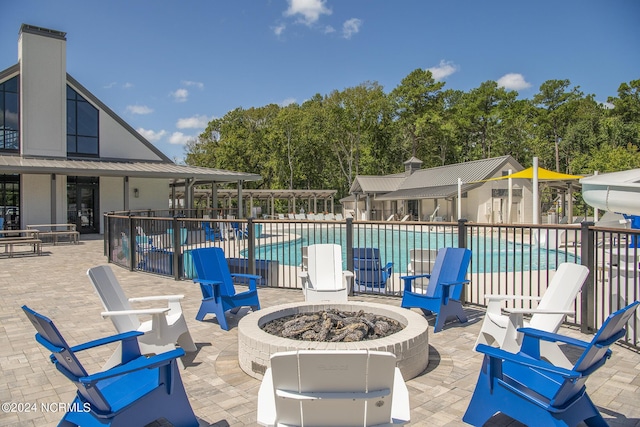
[82,126]
[9,122]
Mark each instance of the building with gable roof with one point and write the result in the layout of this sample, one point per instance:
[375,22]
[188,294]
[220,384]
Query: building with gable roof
[433,194]
[66,157]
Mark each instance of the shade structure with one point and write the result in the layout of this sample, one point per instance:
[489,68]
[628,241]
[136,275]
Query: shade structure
[537,174]
[543,175]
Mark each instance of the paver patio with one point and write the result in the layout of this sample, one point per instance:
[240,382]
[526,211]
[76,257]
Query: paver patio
[220,393]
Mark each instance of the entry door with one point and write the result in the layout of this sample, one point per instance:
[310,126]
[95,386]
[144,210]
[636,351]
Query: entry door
[82,207]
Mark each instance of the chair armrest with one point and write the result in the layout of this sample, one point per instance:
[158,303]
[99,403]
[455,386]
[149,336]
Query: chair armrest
[157,298]
[510,297]
[537,311]
[253,279]
[409,279]
[106,340]
[462,282]
[303,275]
[552,337]
[135,365]
[497,353]
[206,281]
[135,312]
[347,273]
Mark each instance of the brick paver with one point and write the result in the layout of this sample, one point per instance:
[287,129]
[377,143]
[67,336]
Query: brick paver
[221,394]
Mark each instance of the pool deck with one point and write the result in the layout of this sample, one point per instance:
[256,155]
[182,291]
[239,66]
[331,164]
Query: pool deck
[220,393]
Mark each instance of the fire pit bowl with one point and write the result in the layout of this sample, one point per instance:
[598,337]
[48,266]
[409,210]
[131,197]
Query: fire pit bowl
[410,345]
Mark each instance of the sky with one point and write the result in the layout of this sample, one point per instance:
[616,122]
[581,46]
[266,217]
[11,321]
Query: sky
[169,67]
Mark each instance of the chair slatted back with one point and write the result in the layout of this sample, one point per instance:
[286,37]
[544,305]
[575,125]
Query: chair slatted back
[211,264]
[335,388]
[64,358]
[560,295]
[325,266]
[451,265]
[113,298]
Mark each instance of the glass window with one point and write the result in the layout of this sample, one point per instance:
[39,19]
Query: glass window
[9,116]
[82,126]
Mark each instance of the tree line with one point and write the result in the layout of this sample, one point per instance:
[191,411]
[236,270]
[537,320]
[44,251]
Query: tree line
[327,140]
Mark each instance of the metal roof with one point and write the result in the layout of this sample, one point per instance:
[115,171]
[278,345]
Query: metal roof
[442,181]
[17,164]
[377,184]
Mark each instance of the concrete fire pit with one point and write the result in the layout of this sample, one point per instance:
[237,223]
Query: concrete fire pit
[411,345]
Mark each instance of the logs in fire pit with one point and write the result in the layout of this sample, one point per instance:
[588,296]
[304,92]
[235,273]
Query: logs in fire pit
[333,325]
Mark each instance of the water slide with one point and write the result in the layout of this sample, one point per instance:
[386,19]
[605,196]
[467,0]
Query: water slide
[613,192]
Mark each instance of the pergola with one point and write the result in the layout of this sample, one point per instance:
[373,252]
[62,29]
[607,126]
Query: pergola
[316,200]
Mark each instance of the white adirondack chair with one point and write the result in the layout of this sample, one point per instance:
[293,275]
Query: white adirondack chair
[333,388]
[166,327]
[324,279]
[501,330]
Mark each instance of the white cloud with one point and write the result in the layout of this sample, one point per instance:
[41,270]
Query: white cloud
[287,101]
[513,81]
[199,85]
[110,85]
[443,69]
[607,105]
[195,122]
[329,29]
[351,27]
[180,95]
[151,135]
[179,138]
[127,85]
[278,30]
[139,109]
[310,10]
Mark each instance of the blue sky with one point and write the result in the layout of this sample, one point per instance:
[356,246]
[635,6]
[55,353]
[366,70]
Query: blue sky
[168,67]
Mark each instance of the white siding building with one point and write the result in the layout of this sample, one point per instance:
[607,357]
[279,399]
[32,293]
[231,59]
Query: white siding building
[65,156]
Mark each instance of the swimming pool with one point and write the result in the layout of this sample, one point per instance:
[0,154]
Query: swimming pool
[489,254]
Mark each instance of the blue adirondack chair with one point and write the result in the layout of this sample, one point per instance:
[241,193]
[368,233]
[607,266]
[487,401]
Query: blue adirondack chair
[211,233]
[534,391]
[369,273]
[446,282]
[216,283]
[137,392]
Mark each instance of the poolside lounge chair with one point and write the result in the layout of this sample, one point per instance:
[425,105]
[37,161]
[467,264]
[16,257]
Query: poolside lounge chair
[216,283]
[339,217]
[446,281]
[370,274]
[406,218]
[536,392]
[344,388]
[137,392]
[212,234]
[553,306]
[166,327]
[324,279]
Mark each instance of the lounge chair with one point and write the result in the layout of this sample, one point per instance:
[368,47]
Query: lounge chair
[216,283]
[406,218]
[166,327]
[324,279]
[536,392]
[137,392]
[212,234]
[446,281]
[344,388]
[370,274]
[500,330]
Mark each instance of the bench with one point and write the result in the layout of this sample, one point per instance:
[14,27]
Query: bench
[56,230]
[10,238]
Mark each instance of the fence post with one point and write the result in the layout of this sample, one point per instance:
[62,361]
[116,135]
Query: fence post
[132,243]
[349,243]
[252,245]
[462,243]
[462,233]
[587,298]
[177,248]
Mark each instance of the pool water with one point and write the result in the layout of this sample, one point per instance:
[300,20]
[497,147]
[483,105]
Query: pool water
[488,254]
